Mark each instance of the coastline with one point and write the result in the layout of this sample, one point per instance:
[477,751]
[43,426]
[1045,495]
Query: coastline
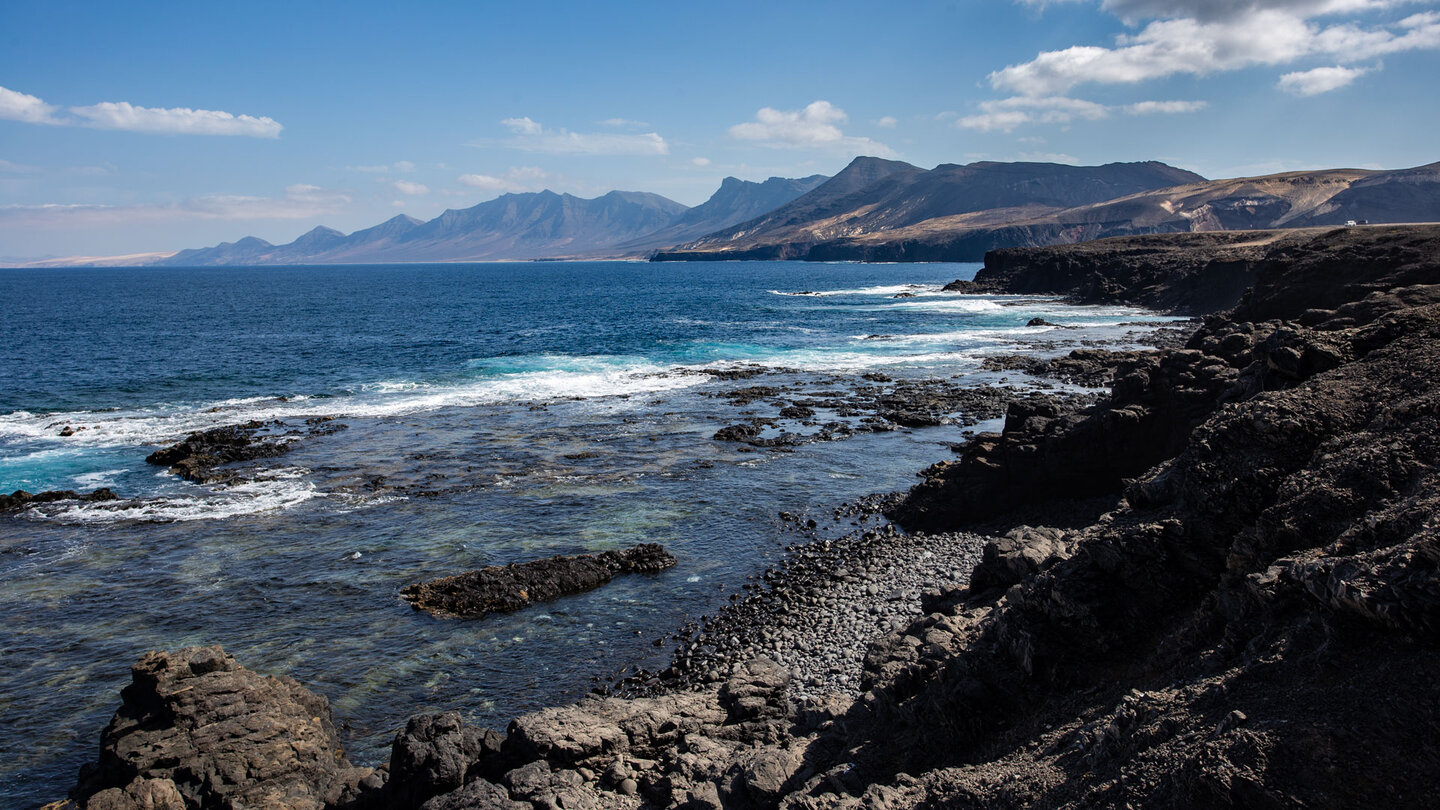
[1132,656]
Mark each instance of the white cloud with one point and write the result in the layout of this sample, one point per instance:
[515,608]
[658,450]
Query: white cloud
[1132,10]
[532,137]
[300,201]
[175,121]
[411,188]
[522,126]
[15,106]
[624,122]
[398,167]
[887,122]
[814,127]
[486,182]
[1164,107]
[123,115]
[1319,80]
[1048,157]
[1201,37]
[517,178]
[700,161]
[1006,114]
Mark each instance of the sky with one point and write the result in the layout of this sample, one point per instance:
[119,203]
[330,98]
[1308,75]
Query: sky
[130,127]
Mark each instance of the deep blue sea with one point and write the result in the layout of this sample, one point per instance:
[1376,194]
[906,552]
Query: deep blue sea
[495,412]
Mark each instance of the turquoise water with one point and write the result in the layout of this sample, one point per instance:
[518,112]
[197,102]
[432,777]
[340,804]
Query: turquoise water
[495,413]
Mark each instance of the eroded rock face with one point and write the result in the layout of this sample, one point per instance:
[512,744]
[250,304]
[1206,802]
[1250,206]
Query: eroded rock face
[506,588]
[198,728]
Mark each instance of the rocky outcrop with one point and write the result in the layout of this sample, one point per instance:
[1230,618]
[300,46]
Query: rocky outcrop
[20,499]
[197,730]
[195,457]
[506,588]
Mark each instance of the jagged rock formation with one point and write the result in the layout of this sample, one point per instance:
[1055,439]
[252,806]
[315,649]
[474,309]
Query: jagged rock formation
[196,729]
[195,457]
[506,588]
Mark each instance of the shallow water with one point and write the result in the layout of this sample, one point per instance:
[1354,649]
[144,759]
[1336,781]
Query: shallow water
[494,413]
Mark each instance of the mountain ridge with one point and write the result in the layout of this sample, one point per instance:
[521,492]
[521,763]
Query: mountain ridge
[1285,200]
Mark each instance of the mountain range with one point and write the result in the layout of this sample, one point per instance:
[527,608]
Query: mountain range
[519,226]
[957,213]
[873,210]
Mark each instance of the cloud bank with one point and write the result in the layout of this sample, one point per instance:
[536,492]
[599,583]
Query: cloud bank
[122,115]
[1202,37]
[1005,115]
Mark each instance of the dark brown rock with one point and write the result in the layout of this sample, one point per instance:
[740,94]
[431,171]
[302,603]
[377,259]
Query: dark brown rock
[195,457]
[197,724]
[20,499]
[502,589]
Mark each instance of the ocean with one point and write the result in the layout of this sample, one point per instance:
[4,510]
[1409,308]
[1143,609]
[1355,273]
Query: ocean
[492,413]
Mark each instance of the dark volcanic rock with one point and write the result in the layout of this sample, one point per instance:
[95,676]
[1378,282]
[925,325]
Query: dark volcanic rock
[501,589]
[195,457]
[197,725]
[1255,622]
[20,499]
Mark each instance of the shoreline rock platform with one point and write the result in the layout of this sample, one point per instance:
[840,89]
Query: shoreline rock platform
[1247,614]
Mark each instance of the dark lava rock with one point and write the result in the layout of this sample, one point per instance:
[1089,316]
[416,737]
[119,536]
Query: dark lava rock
[20,499]
[1092,368]
[438,754]
[197,725]
[741,373]
[195,457]
[743,432]
[502,589]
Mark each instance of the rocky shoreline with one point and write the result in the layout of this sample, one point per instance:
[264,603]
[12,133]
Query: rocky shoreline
[1245,612]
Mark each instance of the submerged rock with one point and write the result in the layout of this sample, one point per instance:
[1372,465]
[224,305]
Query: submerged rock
[502,589]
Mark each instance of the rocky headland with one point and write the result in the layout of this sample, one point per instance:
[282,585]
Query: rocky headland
[1215,586]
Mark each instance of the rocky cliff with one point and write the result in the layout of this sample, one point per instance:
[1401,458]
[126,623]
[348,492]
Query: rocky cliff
[1253,621]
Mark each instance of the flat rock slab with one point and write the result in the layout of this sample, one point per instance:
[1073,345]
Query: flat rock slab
[506,588]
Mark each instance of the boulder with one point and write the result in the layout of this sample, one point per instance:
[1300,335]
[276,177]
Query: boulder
[196,725]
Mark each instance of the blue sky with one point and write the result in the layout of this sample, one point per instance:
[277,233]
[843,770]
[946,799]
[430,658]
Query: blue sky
[130,127]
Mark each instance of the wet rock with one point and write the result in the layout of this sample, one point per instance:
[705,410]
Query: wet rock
[20,499]
[502,589]
[744,432]
[195,457]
